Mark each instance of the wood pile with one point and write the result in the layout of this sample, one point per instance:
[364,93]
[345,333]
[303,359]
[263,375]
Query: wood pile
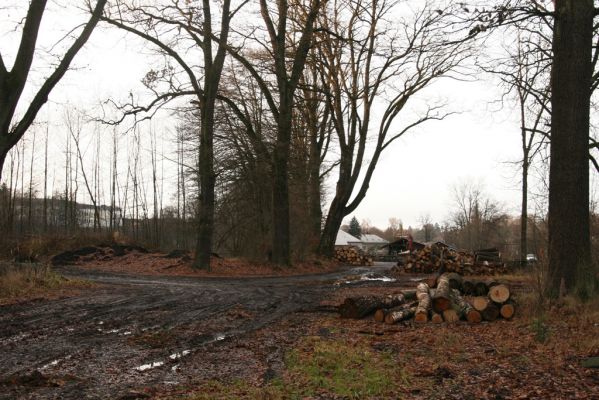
[430,259]
[352,256]
[453,299]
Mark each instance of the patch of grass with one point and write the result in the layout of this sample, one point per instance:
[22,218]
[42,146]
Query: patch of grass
[238,389]
[320,367]
[353,372]
[31,280]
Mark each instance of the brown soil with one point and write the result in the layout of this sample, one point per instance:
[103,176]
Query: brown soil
[136,262]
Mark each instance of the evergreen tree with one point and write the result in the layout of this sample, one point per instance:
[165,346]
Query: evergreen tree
[354,228]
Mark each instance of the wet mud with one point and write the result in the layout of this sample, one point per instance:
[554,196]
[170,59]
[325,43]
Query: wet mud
[133,333]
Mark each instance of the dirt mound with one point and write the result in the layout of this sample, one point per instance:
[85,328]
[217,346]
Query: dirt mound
[99,253]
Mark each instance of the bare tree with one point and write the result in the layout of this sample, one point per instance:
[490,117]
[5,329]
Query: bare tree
[163,25]
[12,83]
[366,60]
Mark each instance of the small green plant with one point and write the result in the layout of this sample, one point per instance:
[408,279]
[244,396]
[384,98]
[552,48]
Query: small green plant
[540,329]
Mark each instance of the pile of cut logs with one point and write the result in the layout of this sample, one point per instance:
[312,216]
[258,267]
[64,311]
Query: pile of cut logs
[430,259]
[352,256]
[452,300]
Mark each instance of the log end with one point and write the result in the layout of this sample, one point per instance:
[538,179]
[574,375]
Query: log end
[421,317]
[451,316]
[473,317]
[436,318]
[507,311]
[499,293]
[379,315]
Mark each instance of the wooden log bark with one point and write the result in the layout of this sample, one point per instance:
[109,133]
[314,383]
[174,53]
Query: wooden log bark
[481,289]
[424,303]
[400,315]
[499,293]
[455,280]
[464,309]
[467,287]
[359,307]
[381,313]
[441,300]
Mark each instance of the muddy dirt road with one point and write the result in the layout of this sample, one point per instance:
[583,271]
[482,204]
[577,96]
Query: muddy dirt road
[136,332]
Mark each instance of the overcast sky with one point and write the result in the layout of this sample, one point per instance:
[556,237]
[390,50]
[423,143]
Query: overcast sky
[415,174]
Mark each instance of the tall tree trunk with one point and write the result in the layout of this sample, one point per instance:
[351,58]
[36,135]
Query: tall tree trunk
[281,251]
[331,228]
[314,188]
[207,183]
[569,236]
[524,211]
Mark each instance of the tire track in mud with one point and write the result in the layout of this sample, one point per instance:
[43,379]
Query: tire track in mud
[134,332]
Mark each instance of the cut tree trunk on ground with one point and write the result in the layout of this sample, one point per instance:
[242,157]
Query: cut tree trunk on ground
[490,313]
[480,303]
[464,309]
[507,310]
[481,289]
[468,287]
[424,302]
[436,318]
[450,315]
[455,280]
[441,300]
[401,315]
[499,293]
[359,307]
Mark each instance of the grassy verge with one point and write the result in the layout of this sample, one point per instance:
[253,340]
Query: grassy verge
[21,282]
[321,367]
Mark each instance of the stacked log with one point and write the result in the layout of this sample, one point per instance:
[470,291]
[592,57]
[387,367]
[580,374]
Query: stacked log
[431,259]
[424,303]
[352,256]
[361,306]
[452,300]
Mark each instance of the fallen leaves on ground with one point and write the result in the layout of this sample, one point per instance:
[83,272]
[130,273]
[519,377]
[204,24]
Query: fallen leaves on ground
[140,263]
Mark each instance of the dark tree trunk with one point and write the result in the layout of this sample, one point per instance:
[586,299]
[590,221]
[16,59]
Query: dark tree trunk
[207,183]
[569,237]
[212,74]
[524,212]
[281,251]
[329,233]
[314,188]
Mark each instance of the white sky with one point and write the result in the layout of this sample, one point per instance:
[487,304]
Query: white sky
[414,176]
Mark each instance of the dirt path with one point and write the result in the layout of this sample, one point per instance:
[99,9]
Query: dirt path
[137,331]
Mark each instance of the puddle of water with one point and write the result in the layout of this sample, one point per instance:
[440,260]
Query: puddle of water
[365,278]
[54,362]
[50,364]
[127,333]
[146,367]
[113,331]
[175,368]
[176,356]
[101,323]
[219,336]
